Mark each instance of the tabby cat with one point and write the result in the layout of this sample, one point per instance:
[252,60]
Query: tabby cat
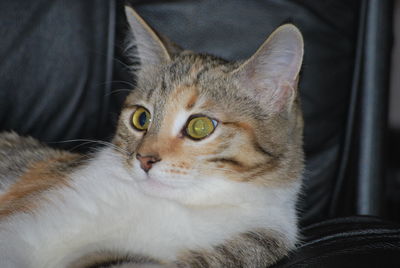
[204,169]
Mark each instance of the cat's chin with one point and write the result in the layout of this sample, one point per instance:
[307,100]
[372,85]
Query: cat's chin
[154,187]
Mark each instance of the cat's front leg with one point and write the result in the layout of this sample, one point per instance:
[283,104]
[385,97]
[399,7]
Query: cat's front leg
[253,249]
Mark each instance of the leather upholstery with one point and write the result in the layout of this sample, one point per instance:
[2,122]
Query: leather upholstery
[347,242]
[55,68]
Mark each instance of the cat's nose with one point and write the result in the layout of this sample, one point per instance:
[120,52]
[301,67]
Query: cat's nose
[147,162]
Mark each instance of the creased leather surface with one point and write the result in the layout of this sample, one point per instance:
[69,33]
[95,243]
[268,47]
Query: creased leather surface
[347,242]
[53,69]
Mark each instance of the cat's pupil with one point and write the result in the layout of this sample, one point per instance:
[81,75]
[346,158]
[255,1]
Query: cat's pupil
[142,119]
[200,127]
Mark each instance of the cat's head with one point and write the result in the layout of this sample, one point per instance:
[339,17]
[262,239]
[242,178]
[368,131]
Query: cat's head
[196,122]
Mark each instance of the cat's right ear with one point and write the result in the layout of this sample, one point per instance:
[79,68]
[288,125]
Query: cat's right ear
[150,49]
[271,74]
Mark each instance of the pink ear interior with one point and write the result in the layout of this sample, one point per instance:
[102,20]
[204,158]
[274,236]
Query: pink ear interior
[270,75]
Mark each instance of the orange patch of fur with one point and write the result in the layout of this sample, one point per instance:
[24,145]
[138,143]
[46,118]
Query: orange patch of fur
[42,176]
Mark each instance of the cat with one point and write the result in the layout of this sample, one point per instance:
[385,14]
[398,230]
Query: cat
[204,169]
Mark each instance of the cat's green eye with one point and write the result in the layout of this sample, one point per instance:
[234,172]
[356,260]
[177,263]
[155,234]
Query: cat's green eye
[200,127]
[141,119]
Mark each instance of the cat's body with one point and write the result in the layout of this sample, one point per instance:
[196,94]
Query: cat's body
[100,208]
[226,199]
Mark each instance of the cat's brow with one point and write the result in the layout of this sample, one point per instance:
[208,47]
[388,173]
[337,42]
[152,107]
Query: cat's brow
[150,94]
[192,102]
[151,91]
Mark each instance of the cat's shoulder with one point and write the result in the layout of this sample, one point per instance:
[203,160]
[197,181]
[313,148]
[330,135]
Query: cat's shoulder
[25,156]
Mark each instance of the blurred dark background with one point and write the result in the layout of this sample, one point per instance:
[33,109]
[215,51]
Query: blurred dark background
[393,137]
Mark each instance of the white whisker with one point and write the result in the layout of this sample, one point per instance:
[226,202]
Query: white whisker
[88,141]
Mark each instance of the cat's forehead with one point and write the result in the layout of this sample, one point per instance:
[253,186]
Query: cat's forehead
[203,76]
[202,82]
[192,69]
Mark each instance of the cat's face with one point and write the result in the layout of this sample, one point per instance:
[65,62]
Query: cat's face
[195,123]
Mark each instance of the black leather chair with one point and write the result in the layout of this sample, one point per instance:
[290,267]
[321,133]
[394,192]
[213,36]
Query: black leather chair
[63,77]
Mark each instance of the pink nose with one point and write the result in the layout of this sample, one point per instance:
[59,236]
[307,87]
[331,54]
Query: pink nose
[147,162]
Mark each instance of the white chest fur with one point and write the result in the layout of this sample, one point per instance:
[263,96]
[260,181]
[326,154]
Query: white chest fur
[104,210]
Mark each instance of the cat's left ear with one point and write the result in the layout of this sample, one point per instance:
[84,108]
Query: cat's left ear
[271,74]
[150,49]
